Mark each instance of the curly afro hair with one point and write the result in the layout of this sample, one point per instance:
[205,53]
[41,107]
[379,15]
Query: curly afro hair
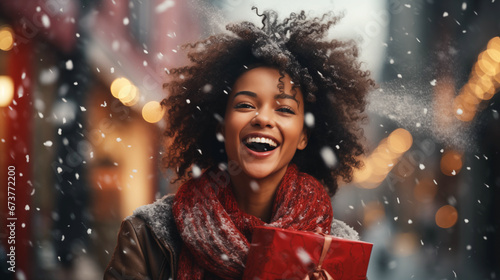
[327,71]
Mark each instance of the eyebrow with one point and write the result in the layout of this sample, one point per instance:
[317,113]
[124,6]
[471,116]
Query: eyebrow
[278,96]
[286,96]
[248,93]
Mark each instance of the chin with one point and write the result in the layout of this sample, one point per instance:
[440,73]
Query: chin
[257,171]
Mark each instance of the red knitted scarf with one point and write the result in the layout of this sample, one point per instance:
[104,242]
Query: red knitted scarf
[216,234]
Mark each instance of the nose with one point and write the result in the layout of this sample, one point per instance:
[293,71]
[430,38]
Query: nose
[263,118]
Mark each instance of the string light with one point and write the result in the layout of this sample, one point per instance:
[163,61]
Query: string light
[387,154]
[483,83]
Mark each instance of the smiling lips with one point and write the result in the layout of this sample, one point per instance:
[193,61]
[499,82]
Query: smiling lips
[260,144]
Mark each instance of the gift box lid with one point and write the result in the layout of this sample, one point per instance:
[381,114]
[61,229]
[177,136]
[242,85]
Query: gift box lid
[277,253]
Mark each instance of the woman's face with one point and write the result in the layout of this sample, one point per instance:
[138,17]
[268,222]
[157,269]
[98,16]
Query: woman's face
[263,127]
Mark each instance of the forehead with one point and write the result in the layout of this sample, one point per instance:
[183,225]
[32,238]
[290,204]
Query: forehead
[266,80]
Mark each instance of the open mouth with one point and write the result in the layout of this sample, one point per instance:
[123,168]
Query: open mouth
[260,144]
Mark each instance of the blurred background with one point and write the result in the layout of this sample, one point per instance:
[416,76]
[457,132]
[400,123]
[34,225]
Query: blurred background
[80,82]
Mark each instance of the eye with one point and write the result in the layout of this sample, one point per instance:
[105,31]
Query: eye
[287,110]
[243,106]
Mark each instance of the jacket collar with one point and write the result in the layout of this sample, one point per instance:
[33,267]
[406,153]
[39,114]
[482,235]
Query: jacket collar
[158,217]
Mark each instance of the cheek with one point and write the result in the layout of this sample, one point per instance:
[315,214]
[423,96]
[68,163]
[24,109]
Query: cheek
[231,129]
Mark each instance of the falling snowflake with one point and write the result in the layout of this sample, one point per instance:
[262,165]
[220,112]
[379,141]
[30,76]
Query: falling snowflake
[69,65]
[207,88]
[162,7]
[254,186]
[219,136]
[309,119]
[196,171]
[304,257]
[329,156]
[45,21]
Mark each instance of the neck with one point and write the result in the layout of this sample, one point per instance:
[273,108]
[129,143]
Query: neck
[256,196]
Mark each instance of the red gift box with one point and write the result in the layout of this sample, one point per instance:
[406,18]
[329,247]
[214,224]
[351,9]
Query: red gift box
[287,254]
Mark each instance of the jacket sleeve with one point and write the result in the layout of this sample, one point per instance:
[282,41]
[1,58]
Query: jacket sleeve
[128,261]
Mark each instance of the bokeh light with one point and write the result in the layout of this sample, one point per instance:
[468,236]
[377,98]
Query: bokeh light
[483,83]
[451,163]
[152,112]
[494,43]
[118,84]
[125,91]
[400,141]
[129,95]
[446,216]
[383,159]
[6,38]
[6,90]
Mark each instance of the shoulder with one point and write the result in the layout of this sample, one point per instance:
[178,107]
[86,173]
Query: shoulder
[158,218]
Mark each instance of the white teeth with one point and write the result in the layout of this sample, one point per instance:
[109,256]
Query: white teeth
[261,140]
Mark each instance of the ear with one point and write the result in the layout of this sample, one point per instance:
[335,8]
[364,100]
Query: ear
[304,137]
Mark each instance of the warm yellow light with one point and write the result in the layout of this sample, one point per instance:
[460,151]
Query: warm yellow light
[117,85]
[152,112]
[469,97]
[446,216]
[399,141]
[494,43]
[363,173]
[6,91]
[465,106]
[6,38]
[463,113]
[476,71]
[493,54]
[129,95]
[497,78]
[487,66]
[482,87]
[451,163]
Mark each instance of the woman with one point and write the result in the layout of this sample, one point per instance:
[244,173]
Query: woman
[271,115]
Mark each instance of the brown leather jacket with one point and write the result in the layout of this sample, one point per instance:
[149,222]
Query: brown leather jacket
[148,243]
